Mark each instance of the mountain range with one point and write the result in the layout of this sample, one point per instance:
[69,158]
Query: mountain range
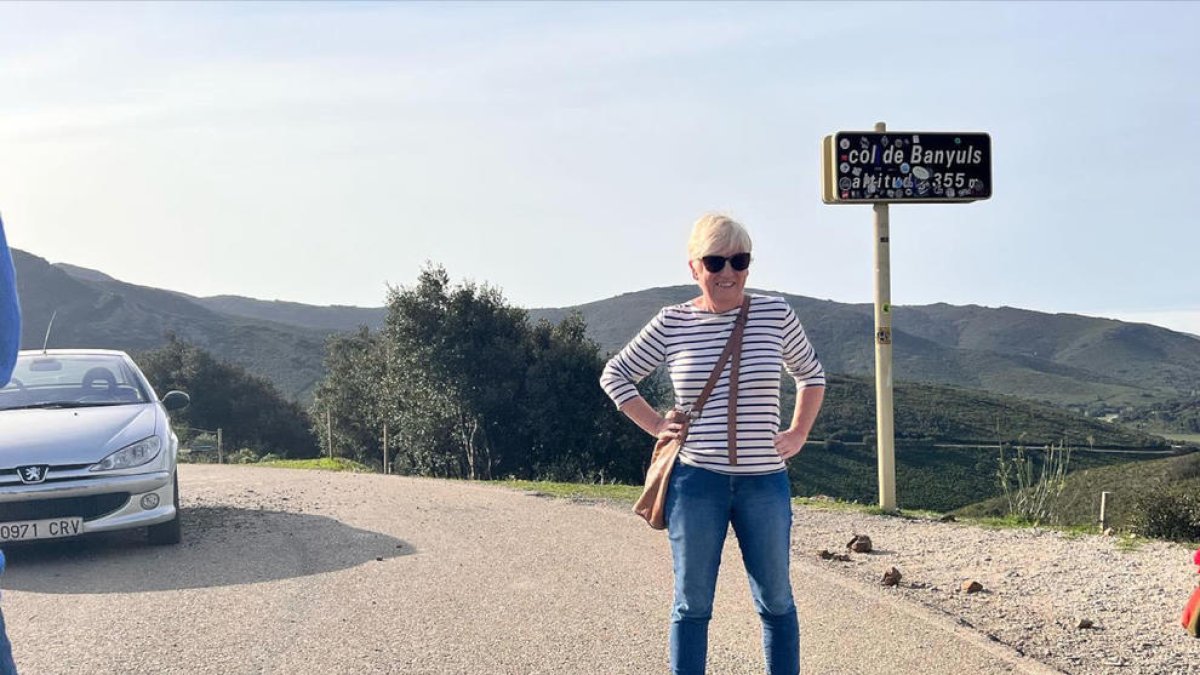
[91,309]
[1065,359]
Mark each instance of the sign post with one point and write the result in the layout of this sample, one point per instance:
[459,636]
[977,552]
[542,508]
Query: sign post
[884,429]
[882,168]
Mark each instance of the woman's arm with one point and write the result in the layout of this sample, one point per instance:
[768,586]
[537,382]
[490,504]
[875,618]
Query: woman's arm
[621,374]
[800,360]
[789,443]
[638,410]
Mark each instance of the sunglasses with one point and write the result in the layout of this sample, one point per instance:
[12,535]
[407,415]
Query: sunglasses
[716,263]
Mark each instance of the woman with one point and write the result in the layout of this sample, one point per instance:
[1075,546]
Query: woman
[712,487]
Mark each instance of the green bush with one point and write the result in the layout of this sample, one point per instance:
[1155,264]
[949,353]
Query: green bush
[1172,514]
[243,456]
[250,410]
[197,458]
[1186,469]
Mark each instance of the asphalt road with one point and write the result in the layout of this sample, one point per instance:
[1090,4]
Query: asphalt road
[287,571]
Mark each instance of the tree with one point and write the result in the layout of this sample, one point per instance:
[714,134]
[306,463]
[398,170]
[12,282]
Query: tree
[468,389]
[572,430]
[456,358]
[249,409]
[349,397]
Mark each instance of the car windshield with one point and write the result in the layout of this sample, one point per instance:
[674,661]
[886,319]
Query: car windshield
[71,381]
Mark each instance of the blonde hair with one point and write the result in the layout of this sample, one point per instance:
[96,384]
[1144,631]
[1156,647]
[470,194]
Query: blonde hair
[714,233]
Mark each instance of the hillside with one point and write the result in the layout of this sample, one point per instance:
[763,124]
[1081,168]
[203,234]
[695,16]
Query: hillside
[927,477]
[1080,500]
[1180,415]
[924,412]
[336,318]
[1093,365]
[1129,352]
[102,312]
[333,319]
[932,472]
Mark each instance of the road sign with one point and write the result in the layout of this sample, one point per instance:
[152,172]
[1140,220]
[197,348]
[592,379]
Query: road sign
[884,167]
[898,167]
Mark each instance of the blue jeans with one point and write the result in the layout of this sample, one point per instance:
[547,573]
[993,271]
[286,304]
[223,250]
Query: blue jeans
[700,506]
[7,667]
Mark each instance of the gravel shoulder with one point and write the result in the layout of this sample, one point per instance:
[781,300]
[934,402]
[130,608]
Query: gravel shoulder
[1038,585]
[285,571]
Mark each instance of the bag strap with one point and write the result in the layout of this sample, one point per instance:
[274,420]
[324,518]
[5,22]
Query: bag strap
[731,406]
[732,347]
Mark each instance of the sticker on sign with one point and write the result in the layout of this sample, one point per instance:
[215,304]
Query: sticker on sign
[906,167]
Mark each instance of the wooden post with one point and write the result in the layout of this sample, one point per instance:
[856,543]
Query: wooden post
[1104,510]
[385,456]
[220,451]
[329,431]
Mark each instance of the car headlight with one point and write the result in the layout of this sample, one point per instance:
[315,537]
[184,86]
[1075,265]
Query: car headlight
[129,456]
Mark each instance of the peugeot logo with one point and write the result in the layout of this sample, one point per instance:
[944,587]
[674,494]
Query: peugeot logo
[32,474]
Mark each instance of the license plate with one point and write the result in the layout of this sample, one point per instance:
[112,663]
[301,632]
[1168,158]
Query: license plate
[53,528]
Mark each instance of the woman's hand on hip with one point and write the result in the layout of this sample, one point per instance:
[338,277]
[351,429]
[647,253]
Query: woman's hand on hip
[789,443]
[667,429]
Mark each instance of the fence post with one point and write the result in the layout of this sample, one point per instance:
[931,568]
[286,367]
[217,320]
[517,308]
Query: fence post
[1104,510]
[220,451]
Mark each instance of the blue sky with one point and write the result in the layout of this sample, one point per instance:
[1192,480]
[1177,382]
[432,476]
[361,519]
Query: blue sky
[317,152]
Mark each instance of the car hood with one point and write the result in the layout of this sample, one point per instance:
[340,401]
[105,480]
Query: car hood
[58,436]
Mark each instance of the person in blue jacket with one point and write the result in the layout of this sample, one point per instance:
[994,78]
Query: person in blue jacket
[10,312]
[10,339]
[7,665]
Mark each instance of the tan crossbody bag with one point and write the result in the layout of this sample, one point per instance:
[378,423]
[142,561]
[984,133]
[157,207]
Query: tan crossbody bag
[651,505]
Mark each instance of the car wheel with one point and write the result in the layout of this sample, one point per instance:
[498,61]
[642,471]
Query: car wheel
[169,532]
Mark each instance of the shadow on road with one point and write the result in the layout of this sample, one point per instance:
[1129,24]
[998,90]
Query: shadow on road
[222,546]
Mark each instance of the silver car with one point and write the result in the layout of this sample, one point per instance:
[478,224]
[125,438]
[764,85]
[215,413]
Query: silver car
[86,446]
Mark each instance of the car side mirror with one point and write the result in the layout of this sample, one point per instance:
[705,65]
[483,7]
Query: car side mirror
[176,400]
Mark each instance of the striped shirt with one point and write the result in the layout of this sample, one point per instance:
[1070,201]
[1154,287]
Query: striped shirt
[689,341]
